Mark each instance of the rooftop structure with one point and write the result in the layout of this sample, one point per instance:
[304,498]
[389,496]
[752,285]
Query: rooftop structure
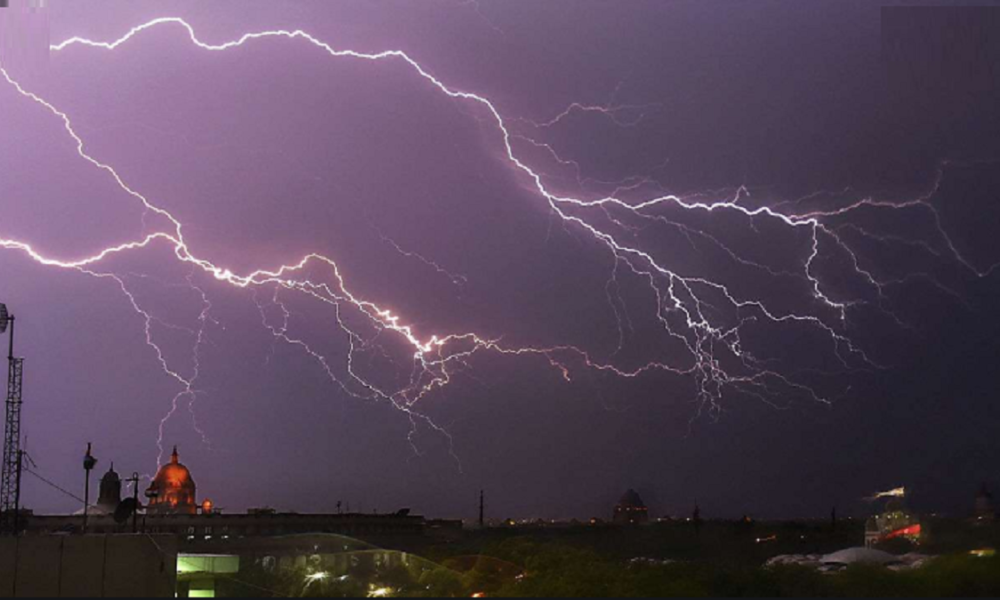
[630,509]
[172,490]
[984,507]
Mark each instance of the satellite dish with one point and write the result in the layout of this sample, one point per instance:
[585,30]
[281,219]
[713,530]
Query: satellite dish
[125,509]
[4,317]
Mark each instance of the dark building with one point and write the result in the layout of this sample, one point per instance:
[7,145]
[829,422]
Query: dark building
[111,492]
[630,509]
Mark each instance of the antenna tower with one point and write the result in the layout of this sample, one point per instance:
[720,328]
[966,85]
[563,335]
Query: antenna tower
[10,484]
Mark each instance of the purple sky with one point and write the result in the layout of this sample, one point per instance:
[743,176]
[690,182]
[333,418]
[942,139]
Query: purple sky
[845,334]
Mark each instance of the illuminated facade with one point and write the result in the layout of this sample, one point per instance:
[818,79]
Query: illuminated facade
[630,509]
[895,522]
[172,490]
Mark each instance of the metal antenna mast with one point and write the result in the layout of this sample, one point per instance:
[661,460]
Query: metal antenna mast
[10,483]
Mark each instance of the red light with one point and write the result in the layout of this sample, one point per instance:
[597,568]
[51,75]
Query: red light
[910,530]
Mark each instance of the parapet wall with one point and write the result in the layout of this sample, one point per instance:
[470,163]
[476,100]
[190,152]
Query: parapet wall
[115,565]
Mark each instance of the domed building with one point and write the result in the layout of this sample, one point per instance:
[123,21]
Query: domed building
[630,509]
[111,491]
[172,490]
[109,497]
[894,522]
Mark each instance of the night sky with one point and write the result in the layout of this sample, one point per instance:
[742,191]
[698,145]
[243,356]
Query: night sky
[788,303]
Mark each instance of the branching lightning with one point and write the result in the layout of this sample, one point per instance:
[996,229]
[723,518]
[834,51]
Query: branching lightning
[456,279]
[687,305]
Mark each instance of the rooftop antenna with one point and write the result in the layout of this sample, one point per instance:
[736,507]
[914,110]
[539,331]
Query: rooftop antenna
[482,522]
[89,462]
[10,485]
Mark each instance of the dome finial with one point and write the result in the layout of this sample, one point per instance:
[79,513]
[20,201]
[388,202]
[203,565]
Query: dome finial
[173,457]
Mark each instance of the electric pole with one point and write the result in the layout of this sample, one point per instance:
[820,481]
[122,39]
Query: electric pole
[135,500]
[88,465]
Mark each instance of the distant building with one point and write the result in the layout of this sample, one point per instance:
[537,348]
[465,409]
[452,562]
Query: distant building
[894,522]
[630,509]
[173,509]
[109,497]
[984,509]
[872,532]
[172,490]
[111,491]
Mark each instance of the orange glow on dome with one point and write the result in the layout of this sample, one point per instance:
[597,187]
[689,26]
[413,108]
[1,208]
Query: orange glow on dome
[173,488]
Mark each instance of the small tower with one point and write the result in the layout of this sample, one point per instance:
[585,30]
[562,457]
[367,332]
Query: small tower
[985,511]
[111,491]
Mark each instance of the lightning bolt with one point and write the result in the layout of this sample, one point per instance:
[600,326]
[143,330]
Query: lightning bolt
[622,115]
[701,315]
[899,492]
[456,279]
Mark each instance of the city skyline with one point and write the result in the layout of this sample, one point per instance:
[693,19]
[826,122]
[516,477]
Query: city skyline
[397,257]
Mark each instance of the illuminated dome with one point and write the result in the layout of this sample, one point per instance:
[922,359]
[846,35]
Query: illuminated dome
[173,489]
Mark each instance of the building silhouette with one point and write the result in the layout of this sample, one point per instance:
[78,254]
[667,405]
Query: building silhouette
[985,511]
[111,491]
[630,509]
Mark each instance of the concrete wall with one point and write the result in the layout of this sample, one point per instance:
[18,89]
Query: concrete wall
[88,565]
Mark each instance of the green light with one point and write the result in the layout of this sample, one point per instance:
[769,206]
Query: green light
[207,563]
